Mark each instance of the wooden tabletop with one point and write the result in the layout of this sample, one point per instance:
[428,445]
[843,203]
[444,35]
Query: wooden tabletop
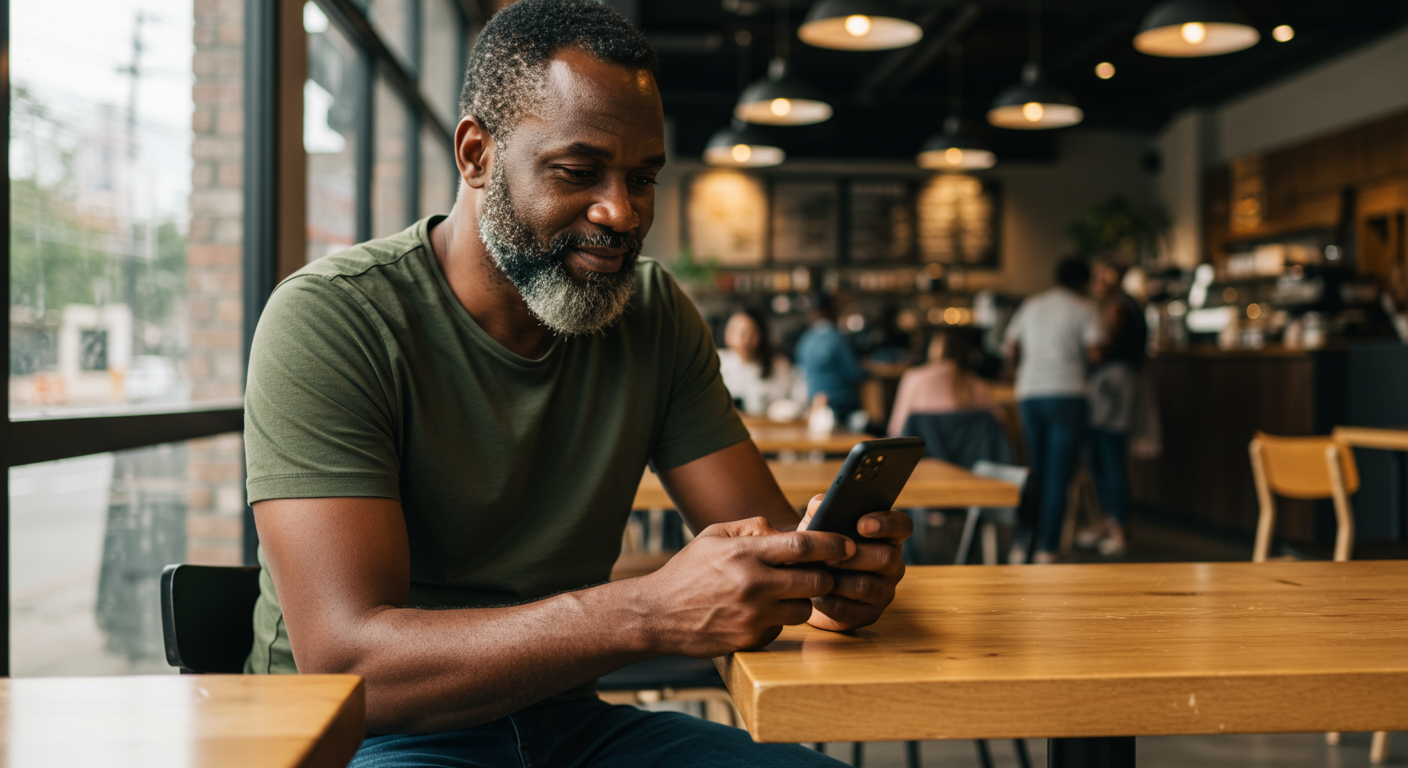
[777,438]
[172,721]
[1096,650]
[933,484]
[1374,437]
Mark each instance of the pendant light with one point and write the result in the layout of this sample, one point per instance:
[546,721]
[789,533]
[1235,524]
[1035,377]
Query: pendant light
[778,99]
[1032,104]
[739,146]
[1186,28]
[951,150]
[858,25]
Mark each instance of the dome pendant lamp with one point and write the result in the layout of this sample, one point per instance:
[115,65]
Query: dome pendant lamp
[1186,28]
[739,146]
[778,99]
[858,25]
[1032,104]
[951,150]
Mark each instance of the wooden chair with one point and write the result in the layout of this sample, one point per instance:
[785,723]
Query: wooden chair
[1308,468]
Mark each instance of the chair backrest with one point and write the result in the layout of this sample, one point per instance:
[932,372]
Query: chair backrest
[961,437]
[1297,469]
[1010,473]
[207,616]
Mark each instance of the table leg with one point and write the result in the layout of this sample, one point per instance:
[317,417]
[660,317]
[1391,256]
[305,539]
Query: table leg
[1101,752]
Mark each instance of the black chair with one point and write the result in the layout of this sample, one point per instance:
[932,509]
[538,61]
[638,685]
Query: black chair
[206,615]
[206,623]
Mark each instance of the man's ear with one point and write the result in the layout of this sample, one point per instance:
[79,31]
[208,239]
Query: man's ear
[474,150]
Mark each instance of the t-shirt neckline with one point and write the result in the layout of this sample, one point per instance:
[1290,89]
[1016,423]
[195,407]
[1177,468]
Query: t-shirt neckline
[462,315]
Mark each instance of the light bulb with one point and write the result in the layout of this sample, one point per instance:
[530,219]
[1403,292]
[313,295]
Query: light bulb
[953,155]
[741,153]
[857,26]
[1193,32]
[1104,70]
[780,107]
[1033,111]
[1283,33]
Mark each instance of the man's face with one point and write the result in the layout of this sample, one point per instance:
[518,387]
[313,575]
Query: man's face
[571,193]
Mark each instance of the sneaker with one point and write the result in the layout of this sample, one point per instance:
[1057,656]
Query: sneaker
[1044,558]
[1113,545]
[1089,538]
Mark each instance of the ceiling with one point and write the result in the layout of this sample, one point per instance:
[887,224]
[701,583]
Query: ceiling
[887,102]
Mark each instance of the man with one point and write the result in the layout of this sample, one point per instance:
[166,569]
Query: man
[1051,339]
[445,429]
[1115,400]
[828,362]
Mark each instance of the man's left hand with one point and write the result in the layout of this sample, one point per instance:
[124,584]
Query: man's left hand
[865,582]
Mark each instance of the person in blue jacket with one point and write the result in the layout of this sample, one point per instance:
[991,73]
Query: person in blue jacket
[826,358]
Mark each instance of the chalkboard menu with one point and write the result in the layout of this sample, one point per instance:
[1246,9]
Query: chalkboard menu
[881,218]
[958,218]
[804,221]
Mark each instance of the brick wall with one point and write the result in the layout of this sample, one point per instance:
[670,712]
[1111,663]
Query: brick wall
[214,468]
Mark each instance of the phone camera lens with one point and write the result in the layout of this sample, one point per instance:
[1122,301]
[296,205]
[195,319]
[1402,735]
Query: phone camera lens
[867,460]
[860,475]
[880,459]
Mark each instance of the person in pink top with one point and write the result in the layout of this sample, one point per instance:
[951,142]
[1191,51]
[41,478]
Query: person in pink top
[943,385]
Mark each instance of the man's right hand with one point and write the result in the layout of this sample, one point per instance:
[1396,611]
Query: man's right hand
[736,585]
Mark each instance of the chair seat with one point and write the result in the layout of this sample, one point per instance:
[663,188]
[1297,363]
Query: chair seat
[663,672]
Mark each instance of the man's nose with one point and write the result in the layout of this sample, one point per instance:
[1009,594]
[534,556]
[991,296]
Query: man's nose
[613,208]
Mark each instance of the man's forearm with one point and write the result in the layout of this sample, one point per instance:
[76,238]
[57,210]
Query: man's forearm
[436,670]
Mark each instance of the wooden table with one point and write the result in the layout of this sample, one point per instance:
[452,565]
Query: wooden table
[1095,651]
[793,436]
[171,721]
[1374,437]
[933,484]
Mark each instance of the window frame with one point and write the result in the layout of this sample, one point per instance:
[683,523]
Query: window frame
[275,217]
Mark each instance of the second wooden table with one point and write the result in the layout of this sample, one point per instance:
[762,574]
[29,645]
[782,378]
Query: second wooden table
[934,484]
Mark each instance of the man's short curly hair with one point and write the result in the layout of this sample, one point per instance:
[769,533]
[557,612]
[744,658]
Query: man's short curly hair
[508,66]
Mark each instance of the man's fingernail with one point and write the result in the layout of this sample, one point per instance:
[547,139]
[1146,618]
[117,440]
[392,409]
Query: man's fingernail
[850,548]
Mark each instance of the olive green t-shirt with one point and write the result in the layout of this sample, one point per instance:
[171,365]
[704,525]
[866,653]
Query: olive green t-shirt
[367,377]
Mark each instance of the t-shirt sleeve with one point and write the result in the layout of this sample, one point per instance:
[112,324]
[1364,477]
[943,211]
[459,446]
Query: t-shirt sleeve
[699,416]
[1091,332]
[1014,326]
[319,413]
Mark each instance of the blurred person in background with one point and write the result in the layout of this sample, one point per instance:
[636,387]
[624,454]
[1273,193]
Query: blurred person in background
[1052,339]
[755,375]
[944,384]
[826,358]
[1115,400]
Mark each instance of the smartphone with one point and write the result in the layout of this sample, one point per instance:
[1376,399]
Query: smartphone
[869,481]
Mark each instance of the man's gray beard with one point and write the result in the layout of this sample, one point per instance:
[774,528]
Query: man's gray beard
[565,304]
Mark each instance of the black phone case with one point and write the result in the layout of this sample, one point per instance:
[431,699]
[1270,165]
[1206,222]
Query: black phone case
[870,480]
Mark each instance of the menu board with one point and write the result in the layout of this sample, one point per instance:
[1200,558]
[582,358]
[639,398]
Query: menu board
[881,218]
[804,221]
[727,218]
[958,218]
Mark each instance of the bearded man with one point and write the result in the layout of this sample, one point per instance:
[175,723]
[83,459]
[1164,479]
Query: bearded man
[446,428]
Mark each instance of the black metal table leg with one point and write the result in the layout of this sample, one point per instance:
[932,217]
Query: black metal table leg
[1101,752]
[1020,747]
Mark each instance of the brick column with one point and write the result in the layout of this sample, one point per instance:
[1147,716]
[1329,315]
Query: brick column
[214,471]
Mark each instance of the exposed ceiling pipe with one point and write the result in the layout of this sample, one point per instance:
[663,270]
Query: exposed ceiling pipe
[895,72]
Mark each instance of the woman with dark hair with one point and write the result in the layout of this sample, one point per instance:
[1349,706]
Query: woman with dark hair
[945,384]
[755,375]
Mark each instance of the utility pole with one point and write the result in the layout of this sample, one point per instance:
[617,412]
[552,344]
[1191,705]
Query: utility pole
[129,192]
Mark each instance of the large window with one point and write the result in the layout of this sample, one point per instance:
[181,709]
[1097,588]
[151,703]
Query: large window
[145,229]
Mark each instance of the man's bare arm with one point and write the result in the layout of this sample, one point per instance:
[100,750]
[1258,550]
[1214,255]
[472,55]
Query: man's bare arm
[341,567]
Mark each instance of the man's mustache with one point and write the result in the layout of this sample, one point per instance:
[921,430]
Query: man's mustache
[601,239]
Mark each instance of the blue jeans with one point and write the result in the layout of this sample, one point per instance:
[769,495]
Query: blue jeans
[1055,429]
[1108,465]
[586,733]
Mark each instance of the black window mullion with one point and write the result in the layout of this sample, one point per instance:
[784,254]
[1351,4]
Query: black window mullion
[261,148]
[413,123]
[6,438]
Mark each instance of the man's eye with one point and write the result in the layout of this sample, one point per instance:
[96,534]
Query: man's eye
[576,173]
[645,181]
